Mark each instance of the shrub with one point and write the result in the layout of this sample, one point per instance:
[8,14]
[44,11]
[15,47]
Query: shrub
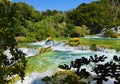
[30,39]
[93,47]
[20,39]
[110,33]
[74,41]
[80,31]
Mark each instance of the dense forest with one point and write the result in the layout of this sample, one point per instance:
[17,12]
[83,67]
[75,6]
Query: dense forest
[28,24]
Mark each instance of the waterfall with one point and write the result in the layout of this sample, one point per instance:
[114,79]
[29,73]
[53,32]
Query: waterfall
[105,50]
[61,46]
[29,51]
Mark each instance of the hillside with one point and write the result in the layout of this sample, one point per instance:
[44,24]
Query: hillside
[28,24]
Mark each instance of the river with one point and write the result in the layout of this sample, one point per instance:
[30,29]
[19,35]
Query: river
[47,64]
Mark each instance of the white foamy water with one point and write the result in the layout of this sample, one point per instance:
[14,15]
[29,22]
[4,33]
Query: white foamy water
[38,43]
[35,77]
[29,51]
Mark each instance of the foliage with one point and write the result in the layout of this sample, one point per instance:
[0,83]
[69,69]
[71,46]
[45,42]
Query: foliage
[20,39]
[74,41]
[36,25]
[80,31]
[63,77]
[104,14]
[21,20]
[93,47]
[109,69]
[110,33]
[12,60]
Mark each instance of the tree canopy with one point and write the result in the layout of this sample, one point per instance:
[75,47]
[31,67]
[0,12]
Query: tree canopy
[34,25]
[12,60]
[97,15]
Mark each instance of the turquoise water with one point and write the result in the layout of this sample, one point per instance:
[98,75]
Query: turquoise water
[47,63]
[51,60]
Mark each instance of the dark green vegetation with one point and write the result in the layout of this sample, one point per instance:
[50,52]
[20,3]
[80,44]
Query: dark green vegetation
[97,15]
[110,33]
[31,25]
[80,74]
[14,63]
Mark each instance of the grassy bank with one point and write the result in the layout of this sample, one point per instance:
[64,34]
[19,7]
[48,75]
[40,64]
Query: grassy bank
[107,43]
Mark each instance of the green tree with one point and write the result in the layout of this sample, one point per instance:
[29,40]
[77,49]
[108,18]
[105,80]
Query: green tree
[81,31]
[12,60]
[104,14]
[110,33]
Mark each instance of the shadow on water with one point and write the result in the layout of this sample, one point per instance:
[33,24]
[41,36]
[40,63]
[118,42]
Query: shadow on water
[38,81]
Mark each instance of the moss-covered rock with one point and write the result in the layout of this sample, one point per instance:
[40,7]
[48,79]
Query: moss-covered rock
[47,49]
[74,41]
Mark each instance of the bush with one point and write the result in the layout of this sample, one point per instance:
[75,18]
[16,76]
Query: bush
[74,41]
[93,47]
[80,31]
[20,39]
[30,39]
[110,33]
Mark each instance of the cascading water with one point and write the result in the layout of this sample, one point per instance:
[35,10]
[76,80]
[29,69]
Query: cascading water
[61,46]
[29,51]
[61,54]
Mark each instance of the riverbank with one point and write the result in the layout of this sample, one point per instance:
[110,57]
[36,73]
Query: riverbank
[106,43]
[110,43]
